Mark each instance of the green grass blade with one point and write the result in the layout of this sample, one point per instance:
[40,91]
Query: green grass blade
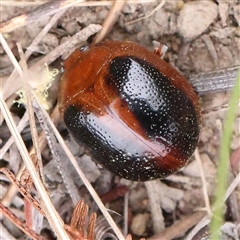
[223,166]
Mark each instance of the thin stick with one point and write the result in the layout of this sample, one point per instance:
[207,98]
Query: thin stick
[110,20]
[204,183]
[125,227]
[32,122]
[71,42]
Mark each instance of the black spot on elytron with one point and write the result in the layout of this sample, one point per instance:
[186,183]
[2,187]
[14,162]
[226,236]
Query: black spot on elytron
[164,111]
[132,166]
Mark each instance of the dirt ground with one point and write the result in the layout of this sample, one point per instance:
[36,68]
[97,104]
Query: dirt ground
[201,36]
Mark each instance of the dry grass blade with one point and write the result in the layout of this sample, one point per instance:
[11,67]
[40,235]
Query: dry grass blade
[33,128]
[52,143]
[53,217]
[82,176]
[22,189]
[78,222]
[13,218]
[88,185]
[79,4]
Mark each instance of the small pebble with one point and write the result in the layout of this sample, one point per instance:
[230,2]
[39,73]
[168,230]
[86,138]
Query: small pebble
[139,223]
[50,40]
[195,18]
[209,169]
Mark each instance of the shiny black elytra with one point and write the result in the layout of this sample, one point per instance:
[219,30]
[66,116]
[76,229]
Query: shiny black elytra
[135,114]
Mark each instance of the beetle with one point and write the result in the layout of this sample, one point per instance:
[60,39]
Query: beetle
[134,113]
